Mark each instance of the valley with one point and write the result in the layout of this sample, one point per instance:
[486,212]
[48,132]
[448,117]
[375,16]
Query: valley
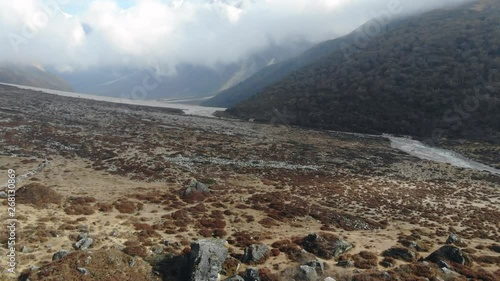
[120,174]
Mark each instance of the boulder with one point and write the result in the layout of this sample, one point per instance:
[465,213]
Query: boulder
[325,246]
[401,254]
[206,259]
[257,253]
[59,255]
[448,253]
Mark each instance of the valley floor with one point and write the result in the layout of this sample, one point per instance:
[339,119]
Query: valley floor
[118,172]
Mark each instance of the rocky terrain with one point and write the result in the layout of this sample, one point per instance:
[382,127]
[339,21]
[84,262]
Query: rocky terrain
[123,192]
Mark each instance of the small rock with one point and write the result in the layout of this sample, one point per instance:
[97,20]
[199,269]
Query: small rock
[88,260]
[166,243]
[26,249]
[84,242]
[196,187]
[34,268]
[318,265]
[82,270]
[252,274]
[59,255]
[329,279]
[347,263]
[131,262]
[115,233]
[3,194]
[257,253]
[308,273]
[452,238]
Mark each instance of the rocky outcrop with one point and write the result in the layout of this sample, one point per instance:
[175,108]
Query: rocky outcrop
[206,259]
[257,253]
[325,246]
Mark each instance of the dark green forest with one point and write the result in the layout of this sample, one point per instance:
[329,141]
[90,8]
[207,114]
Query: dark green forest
[436,74]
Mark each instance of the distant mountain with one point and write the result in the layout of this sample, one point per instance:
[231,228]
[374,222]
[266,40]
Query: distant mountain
[188,81]
[33,76]
[434,74]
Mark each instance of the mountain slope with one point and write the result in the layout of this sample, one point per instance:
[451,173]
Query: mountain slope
[274,73]
[435,74]
[32,76]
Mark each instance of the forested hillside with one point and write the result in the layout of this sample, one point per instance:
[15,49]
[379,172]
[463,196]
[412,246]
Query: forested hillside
[437,73]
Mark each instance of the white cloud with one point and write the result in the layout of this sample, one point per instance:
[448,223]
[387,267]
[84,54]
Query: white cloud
[170,32]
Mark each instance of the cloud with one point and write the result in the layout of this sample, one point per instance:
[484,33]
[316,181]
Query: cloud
[141,33]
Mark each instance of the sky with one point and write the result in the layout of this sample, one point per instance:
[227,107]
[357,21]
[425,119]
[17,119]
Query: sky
[81,34]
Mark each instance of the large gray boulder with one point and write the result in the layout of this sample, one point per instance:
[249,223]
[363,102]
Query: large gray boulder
[256,253]
[206,259]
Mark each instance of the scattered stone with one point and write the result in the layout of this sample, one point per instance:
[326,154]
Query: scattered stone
[449,253]
[88,260]
[257,253]
[307,273]
[115,233]
[131,262]
[26,249]
[329,279]
[452,238]
[400,253]
[59,255]
[3,194]
[318,265]
[206,259]
[83,270]
[252,274]
[166,243]
[347,263]
[34,268]
[325,246]
[196,186]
